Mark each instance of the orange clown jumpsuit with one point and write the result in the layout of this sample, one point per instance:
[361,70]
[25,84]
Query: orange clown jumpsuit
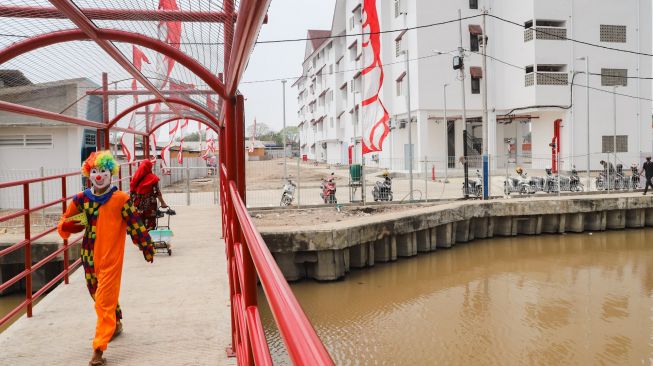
[103,246]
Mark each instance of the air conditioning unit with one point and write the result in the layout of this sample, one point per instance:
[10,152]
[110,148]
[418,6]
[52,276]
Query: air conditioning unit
[402,124]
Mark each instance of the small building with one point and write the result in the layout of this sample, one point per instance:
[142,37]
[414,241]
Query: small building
[31,147]
[256,150]
[29,143]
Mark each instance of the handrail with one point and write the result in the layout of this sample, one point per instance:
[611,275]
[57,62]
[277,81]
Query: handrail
[26,244]
[303,344]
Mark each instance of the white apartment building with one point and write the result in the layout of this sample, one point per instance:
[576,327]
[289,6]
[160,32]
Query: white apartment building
[534,75]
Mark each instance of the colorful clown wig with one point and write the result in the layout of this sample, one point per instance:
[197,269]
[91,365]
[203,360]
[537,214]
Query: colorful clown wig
[100,160]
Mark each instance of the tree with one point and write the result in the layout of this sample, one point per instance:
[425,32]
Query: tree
[194,136]
[261,130]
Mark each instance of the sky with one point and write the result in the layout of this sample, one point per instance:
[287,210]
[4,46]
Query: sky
[286,19]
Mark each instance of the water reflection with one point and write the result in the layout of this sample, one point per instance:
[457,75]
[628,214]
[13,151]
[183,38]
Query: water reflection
[566,299]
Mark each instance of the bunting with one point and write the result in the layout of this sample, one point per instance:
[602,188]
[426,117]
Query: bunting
[374,114]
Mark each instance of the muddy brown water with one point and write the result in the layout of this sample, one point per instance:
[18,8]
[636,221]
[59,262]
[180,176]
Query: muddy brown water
[543,300]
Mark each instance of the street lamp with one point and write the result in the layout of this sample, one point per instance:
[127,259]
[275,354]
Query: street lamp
[410,133]
[587,87]
[283,133]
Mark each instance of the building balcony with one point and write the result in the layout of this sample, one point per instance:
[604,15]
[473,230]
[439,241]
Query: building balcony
[545,33]
[546,78]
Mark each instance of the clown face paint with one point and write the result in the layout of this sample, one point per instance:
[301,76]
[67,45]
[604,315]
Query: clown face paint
[100,179]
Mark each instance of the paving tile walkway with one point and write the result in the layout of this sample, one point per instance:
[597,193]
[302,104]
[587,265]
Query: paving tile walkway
[176,311]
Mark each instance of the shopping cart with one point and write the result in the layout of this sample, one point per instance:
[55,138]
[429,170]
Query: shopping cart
[162,234]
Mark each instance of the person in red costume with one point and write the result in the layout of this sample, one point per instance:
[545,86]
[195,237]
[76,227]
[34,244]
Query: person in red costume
[144,190]
[109,214]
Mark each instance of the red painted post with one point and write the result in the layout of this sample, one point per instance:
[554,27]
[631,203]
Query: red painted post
[240,145]
[249,271]
[230,216]
[28,250]
[65,241]
[105,109]
[120,177]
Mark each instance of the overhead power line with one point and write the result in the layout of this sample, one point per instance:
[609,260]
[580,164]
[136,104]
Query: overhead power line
[534,28]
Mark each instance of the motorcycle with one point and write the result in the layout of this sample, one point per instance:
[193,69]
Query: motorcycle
[474,186]
[288,193]
[633,182]
[382,191]
[328,188]
[521,184]
[574,181]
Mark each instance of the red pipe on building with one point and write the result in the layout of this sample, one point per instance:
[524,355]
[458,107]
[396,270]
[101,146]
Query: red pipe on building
[48,39]
[555,145]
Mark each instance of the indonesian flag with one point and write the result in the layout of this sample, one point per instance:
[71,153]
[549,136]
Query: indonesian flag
[180,154]
[153,143]
[169,32]
[375,116]
[210,148]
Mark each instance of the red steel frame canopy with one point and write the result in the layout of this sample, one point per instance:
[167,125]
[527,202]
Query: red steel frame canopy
[247,253]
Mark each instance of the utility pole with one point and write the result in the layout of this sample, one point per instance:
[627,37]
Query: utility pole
[461,54]
[446,128]
[614,126]
[283,132]
[486,162]
[410,133]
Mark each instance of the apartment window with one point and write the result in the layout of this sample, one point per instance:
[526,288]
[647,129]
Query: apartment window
[351,22]
[475,31]
[343,92]
[33,141]
[613,33]
[358,15]
[473,4]
[614,77]
[330,122]
[400,84]
[607,143]
[353,50]
[397,8]
[398,43]
[476,74]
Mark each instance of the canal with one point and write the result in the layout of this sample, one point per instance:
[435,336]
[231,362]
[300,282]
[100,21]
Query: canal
[551,299]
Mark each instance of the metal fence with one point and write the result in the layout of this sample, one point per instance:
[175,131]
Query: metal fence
[439,178]
[190,183]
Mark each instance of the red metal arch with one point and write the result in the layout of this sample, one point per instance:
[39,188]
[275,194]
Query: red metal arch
[179,101]
[165,122]
[70,35]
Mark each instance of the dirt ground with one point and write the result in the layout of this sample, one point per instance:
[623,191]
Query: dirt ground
[322,215]
[205,184]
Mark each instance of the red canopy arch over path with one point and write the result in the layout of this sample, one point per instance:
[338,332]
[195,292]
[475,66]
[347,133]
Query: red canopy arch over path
[75,26]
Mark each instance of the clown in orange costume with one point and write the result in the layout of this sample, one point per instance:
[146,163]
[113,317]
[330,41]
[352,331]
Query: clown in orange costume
[110,215]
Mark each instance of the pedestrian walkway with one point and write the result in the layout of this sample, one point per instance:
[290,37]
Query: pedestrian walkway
[176,311]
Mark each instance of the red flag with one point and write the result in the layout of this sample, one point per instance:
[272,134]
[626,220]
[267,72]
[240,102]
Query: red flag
[375,115]
[138,57]
[169,32]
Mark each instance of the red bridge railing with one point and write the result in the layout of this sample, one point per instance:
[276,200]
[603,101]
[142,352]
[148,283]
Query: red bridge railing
[29,268]
[248,257]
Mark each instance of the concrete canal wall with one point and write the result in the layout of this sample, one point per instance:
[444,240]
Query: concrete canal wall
[328,251]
